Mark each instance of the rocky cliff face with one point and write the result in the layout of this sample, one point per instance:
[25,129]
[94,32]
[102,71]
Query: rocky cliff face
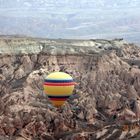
[105,104]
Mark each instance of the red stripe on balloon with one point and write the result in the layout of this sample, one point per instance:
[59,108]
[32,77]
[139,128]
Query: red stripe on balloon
[59,84]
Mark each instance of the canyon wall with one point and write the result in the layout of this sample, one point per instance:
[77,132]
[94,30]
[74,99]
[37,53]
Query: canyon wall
[108,77]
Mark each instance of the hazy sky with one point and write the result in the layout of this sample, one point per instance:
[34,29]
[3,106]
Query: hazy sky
[71,18]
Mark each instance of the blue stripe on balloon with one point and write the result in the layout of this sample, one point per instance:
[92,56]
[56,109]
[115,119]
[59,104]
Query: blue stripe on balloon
[58,96]
[58,81]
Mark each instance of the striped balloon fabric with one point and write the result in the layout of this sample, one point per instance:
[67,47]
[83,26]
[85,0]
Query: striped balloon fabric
[58,86]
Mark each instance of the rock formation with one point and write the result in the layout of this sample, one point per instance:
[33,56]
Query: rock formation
[106,101]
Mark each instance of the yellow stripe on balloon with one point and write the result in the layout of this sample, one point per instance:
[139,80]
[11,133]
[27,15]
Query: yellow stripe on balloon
[59,76]
[58,90]
[66,94]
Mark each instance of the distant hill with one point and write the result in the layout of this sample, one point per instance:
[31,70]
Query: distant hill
[71,18]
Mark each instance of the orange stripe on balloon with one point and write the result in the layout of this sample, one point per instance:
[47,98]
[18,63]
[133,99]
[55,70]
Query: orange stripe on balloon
[57,103]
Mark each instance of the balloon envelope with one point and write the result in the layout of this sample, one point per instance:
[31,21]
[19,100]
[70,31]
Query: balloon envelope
[58,86]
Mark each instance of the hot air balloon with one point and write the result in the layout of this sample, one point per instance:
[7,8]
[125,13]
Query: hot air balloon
[58,86]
